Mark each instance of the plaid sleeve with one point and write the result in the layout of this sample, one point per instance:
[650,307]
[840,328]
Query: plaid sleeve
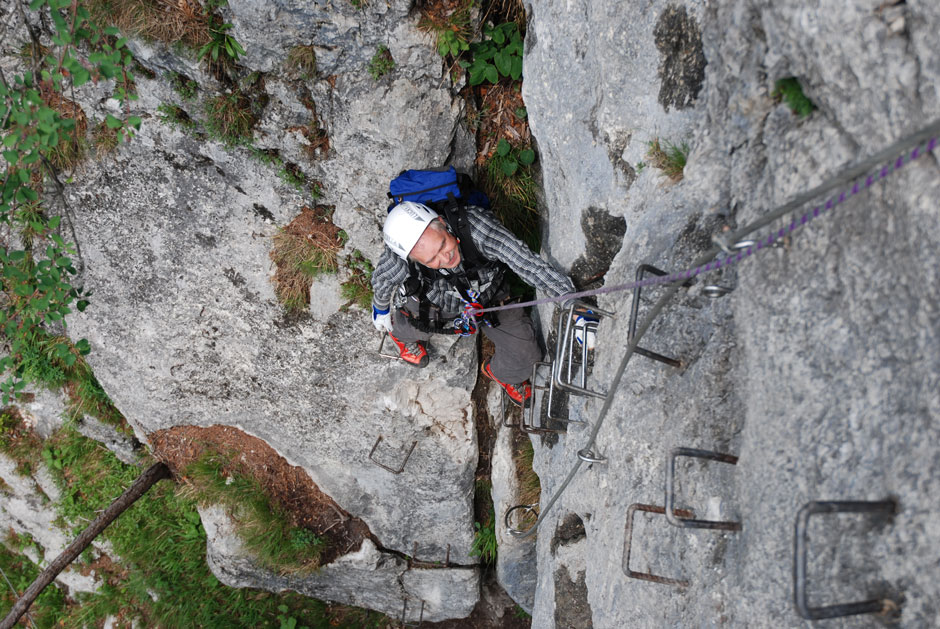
[497,243]
[388,274]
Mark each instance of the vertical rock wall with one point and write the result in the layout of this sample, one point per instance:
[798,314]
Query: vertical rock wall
[817,371]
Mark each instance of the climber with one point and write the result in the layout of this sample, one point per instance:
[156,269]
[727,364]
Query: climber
[444,270]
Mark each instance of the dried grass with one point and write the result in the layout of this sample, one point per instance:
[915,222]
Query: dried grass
[169,21]
[305,248]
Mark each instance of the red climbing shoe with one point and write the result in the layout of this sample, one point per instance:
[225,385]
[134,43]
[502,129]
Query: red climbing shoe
[520,394]
[412,353]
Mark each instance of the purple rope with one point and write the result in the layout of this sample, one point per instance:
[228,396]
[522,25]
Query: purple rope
[734,258]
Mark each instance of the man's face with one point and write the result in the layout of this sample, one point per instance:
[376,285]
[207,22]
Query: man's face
[437,248]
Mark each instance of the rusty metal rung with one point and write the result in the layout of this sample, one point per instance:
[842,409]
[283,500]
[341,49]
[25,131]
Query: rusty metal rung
[634,312]
[401,467]
[404,612]
[671,494]
[800,543]
[628,539]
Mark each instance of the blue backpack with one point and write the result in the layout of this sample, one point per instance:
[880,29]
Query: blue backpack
[436,188]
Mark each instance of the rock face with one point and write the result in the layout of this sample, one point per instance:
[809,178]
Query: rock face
[816,371]
[176,231]
[819,371]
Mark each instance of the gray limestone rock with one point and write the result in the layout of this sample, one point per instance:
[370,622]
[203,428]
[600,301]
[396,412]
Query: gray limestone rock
[369,577]
[816,371]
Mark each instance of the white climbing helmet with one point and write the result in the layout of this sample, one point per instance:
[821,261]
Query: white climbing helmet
[404,226]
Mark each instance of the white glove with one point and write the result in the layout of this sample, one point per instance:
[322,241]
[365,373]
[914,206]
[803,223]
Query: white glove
[580,323]
[381,319]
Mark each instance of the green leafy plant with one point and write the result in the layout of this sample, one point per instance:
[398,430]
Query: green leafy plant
[499,55]
[669,158]
[508,158]
[381,63]
[484,542]
[452,30]
[42,133]
[358,288]
[790,92]
[221,43]
[509,182]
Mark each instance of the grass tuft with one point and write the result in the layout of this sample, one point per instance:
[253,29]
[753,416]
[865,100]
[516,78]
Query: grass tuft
[18,441]
[105,139]
[263,526]
[669,158]
[791,93]
[357,290]
[229,119]
[176,21]
[305,248]
[301,62]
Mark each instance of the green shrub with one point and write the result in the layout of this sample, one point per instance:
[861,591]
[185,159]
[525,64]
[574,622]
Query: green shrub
[176,117]
[790,92]
[500,55]
[19,571]
[381,63]
[221,43]
[164,581]
[511,186]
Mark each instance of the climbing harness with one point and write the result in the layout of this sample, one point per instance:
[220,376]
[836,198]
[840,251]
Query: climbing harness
[922,142]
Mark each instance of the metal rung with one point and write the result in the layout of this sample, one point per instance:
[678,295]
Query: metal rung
[567,370]
[801,543]
[401,467]
[671,496]
[634,312]
[628,540]
[527,423]
[382,344]
[404,612]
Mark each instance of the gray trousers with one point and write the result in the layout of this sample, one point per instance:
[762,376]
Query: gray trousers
[514,339]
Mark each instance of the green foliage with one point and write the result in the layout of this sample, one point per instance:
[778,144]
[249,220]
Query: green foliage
[452,31]
[668,157]
[35,276]
[790,92]
[484,542]
[358,288]
[263,525]
[182,85]
[229,119]
[381,63]
[520,613]
[221,43]
[176,117]
[21,572]
[511,186]
[508,158]
[163,543]
[498,55]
